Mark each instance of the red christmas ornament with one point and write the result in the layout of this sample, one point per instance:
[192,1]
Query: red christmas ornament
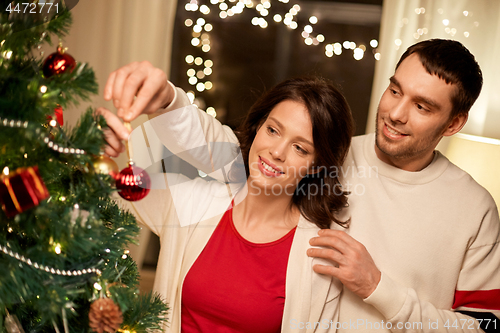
[58,113]
[22,190]
[58,62]
[133,183]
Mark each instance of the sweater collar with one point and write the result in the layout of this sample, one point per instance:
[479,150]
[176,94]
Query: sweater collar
[426,175]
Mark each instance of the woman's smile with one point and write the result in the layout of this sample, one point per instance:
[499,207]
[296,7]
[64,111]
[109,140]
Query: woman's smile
[283,150]
[269,169]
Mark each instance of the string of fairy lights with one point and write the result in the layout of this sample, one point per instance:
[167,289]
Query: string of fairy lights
[202,67]
[198,75]
[447,25]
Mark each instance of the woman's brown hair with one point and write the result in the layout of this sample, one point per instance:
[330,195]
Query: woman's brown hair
[332,128]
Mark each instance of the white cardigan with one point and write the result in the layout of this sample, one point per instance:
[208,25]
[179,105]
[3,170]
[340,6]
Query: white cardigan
[311,302]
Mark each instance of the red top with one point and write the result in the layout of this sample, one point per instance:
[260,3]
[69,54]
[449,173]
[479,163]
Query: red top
[236,285]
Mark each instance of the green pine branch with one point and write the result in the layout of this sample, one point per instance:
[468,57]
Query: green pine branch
[79,226]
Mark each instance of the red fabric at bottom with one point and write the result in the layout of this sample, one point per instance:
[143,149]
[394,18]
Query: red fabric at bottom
[236,285]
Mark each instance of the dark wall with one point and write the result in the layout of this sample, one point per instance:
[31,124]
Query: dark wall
[248,59]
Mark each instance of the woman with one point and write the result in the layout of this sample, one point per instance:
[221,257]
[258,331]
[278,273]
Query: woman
[245,269]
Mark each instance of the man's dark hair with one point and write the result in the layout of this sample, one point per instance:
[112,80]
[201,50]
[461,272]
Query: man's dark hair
[452,62]
[332,129]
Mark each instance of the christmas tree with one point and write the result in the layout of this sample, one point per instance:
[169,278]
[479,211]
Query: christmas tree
[63,258]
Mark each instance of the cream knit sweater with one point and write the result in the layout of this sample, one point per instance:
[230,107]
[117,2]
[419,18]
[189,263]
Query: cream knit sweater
[434,235]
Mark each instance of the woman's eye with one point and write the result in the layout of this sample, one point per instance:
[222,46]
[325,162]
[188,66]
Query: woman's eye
[271,130]
[301,150]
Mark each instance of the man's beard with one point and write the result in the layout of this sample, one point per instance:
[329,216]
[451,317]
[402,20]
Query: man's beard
[407,150]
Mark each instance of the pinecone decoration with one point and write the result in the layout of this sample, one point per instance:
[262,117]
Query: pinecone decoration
[105,316]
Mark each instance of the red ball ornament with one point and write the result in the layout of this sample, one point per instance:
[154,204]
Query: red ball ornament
[58,62]
[58,114]
[133,183]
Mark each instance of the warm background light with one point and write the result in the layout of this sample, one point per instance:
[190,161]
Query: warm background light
[480,157]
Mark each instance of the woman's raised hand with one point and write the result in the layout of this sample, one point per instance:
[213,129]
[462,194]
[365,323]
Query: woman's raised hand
[137,88]
[139,80]
[114,134]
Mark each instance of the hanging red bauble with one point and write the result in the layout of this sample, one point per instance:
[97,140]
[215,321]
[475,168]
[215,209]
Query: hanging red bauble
[133,183]
[58,114]
[58,62]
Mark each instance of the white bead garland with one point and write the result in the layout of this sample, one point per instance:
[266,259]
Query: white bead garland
[18,123]
[47,269]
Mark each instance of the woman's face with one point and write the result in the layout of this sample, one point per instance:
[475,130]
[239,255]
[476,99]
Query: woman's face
[282,152]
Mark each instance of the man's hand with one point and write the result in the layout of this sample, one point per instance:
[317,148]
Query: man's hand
[356,269]
[139,80]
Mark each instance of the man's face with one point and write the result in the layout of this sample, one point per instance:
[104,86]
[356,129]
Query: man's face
[413,114]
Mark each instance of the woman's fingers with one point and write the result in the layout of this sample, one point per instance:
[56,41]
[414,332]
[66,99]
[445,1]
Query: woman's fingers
[114,146]
[138,88]
[108,88]
[151,93]
[156,102]
[114,123]
[113,90]
[114,134]
[131,88]
[121,80]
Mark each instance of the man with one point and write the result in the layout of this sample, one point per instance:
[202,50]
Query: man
[432,232]
[422,252]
